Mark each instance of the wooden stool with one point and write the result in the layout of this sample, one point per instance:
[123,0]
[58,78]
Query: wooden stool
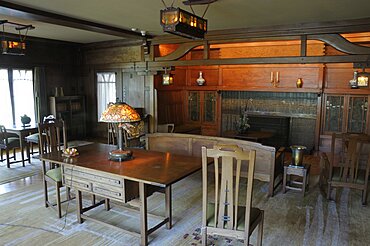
[300,171]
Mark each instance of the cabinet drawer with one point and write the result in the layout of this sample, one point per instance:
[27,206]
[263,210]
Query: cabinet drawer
[77,184]
[109,192]
[93,176]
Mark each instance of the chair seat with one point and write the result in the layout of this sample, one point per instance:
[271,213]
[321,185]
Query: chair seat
[337,176]
[55,174]
[255,213]
[13,142]
[33,138]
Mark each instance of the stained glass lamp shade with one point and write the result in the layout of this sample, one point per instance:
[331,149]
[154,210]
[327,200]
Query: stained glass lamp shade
[120,113]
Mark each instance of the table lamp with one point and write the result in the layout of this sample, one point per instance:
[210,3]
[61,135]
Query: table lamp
[120,113]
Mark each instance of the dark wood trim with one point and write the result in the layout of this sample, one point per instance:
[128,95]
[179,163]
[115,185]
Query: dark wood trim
[303,45]
[341,44]
[24,12]
[243,61]
[39,40]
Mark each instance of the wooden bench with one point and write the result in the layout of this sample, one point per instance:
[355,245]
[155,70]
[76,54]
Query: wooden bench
[269,162]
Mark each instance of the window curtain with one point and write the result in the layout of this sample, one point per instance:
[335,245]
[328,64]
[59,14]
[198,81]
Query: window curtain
[24,102]
[5,101]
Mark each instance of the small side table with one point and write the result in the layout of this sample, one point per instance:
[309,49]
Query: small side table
[300,171]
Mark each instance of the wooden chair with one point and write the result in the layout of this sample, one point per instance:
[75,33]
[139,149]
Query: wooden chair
[226,217]
[132,134]
[351,173]
[166,128]
[52,141]
[8,143]
[34,138]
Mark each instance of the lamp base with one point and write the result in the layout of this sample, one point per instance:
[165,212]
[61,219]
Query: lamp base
[120,155]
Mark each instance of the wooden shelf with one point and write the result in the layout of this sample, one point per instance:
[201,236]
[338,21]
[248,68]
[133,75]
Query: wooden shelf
[72,110]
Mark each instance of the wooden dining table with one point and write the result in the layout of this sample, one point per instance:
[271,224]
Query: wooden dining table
[22,132]
[92,172]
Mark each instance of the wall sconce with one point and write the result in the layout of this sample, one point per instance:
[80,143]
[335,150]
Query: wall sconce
[360,79]
[167,79]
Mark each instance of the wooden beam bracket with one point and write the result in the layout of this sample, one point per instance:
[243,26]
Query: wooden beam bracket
[341,44]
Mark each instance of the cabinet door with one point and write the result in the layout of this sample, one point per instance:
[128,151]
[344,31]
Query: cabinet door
[357,114]
[209,110]
[194,106]
[346,113]
[334,105]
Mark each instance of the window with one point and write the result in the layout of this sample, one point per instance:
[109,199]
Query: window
[106,90]
[16,96]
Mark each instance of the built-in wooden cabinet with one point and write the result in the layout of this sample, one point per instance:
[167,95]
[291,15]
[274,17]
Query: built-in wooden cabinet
[71,109]
[202,111]
[346,113]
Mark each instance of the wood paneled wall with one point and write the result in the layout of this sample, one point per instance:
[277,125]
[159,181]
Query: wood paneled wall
[60,63]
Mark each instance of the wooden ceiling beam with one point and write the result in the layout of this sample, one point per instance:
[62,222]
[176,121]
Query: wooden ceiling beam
[154,65]
[16,10]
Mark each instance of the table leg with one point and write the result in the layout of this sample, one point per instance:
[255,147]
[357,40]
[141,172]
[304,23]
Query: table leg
[168,194]
[28,152]
[143,214]
[21,143]
[107,204]
[284,180]
[79,206]
[304,183]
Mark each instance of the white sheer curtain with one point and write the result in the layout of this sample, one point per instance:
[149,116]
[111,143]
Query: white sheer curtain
[24,102]
[106,90]
[6,117]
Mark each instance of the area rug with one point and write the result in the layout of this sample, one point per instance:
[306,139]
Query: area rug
[290,219]
[17,171]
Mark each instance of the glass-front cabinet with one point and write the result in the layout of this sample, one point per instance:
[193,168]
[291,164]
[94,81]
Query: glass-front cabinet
[202,111]
[346,113]
[209,112]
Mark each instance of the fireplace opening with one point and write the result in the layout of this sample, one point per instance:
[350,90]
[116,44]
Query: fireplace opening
[277,125]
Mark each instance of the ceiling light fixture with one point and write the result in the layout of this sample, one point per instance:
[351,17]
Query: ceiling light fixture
[183,23]
[12,47]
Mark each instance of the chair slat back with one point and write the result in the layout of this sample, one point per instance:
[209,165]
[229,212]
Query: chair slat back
[50,139]
[3,136]
[350,168]
[227,192]
[337,148]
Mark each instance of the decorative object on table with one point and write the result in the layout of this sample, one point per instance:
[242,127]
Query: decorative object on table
[70,152]
[299,83]
[242,124]
[61,92]
[25,120]
[297,154]
[200,80]
[120,113]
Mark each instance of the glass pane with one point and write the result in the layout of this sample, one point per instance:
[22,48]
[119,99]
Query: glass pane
[194,106]
[106,90]
[357,114]
[334,113]
[24,102]
[6,106]
[209,106]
